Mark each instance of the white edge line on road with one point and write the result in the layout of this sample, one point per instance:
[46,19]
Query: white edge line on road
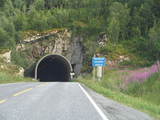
[104,117]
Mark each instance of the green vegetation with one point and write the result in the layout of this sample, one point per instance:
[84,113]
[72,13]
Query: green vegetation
[10,73]
[148,90]
[143,96]
[10,78]
[133,24]
[132,28]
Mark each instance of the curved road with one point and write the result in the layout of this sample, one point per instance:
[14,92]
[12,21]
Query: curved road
[60,101]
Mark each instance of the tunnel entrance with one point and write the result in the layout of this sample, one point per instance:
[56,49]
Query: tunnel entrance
[53,68]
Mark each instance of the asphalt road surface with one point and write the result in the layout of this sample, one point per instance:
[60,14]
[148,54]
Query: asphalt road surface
[60,101]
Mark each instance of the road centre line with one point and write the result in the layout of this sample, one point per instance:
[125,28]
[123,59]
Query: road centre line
[43,84]
[103,116]
[23,91]
[2,101]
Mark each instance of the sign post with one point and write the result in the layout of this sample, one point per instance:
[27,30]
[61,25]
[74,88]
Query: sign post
[98,63]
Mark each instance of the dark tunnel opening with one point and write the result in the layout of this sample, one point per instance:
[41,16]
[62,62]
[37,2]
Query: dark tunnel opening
[53,68]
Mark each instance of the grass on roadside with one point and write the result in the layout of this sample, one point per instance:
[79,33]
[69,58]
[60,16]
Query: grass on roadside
[137,103]
[148,90]
[10,78]
[10,73]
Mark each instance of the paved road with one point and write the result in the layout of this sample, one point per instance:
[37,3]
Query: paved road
[54,101]
[46,101]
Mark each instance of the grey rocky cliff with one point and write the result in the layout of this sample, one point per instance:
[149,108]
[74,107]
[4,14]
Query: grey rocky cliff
[59,42]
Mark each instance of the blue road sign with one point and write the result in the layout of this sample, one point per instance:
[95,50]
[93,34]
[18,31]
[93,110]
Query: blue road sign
[98,61]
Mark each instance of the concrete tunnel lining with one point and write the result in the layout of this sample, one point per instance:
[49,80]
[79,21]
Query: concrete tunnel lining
[53,67]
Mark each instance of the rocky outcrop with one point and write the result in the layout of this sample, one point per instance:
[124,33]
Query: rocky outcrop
[75,54]
[11,68]
[21,71]
[62,42]
[120,59]
[6,56]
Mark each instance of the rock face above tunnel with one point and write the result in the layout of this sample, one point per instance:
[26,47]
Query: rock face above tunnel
[36,45]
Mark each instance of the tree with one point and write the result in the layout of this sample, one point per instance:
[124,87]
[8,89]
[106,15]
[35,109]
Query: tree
[8,8]
[156,8]
[39,4]
[20,21]
[19,4]
[37,21]
[2,2]
[154,41]
[146,18]
[7,32]
[3,38]
[118,21]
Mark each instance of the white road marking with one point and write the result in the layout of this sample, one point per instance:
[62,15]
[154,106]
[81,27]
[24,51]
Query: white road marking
[104,117]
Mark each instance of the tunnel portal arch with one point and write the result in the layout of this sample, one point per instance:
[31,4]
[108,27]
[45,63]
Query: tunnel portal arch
[53,67]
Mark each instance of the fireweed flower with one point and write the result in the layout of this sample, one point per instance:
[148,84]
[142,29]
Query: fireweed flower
[143,74]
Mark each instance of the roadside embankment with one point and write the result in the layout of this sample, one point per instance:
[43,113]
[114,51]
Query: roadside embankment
[121,85]
[10,73]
